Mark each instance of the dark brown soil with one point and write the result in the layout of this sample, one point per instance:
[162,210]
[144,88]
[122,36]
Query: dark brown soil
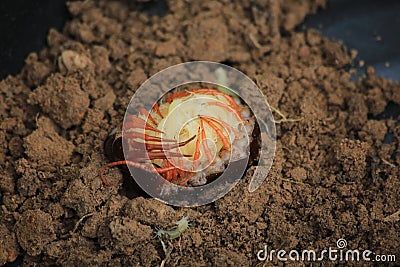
[335,175]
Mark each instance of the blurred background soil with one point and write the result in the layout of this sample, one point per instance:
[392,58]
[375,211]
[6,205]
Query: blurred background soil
[335,174]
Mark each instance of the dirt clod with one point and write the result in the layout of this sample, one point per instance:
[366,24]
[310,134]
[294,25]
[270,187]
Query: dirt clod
[9,248]
[34,231]
[68,101]
[353,156]
[51,148]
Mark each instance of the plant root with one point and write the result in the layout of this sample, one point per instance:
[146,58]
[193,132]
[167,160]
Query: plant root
[283,116]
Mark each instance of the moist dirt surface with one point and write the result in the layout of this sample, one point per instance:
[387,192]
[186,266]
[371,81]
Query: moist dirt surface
[336,169]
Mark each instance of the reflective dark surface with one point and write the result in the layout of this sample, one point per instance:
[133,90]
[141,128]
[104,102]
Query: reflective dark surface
[371,27]
[24,26]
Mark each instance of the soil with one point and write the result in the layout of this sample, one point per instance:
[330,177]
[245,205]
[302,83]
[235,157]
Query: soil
[335,174]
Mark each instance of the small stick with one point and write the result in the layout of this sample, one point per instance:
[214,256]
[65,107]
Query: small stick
[292,181]
[254,40]
[166,251]
[80,221]
[284,119]
[393,217]
[388,163]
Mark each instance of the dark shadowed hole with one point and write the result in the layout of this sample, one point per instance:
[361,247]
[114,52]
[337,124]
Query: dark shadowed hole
[24,26]
[155,8]
[359,28]
[228,63]
[76,157]
[392,111]
[130,188]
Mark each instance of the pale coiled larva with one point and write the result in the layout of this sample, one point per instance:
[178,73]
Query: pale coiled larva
[175,231]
